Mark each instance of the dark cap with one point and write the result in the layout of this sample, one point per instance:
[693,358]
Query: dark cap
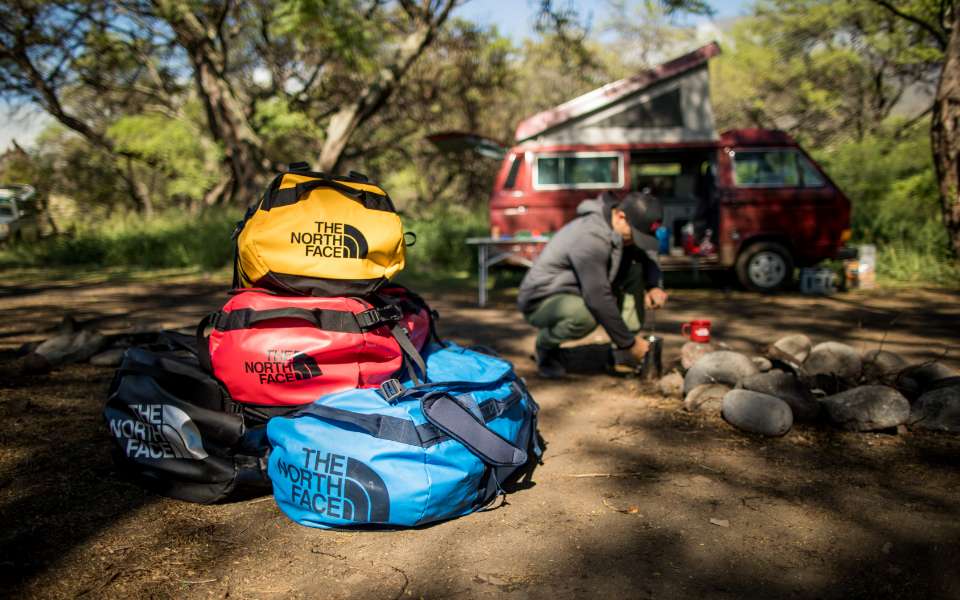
[645,214]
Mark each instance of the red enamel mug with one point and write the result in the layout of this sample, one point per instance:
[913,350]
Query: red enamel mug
[697,331]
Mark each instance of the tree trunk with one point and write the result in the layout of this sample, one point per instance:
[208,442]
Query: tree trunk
[243,148]
[350,117]
[945,135]
[137,189]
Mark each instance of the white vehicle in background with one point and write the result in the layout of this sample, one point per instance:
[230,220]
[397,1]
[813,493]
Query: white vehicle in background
[19,214]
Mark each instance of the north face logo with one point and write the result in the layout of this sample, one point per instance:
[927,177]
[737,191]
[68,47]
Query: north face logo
[336,486]
[305,366]
[331,240]
[156,431]
[283,366]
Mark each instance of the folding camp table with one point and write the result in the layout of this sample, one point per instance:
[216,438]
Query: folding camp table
[491,251]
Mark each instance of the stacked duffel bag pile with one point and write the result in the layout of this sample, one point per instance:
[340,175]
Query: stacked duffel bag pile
[322,381]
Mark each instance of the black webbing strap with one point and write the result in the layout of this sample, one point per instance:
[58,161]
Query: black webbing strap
[291,195]
[203,344]
[179,341]
[385,427]
[457,421]
[330,320]
[322,318]
[410,352]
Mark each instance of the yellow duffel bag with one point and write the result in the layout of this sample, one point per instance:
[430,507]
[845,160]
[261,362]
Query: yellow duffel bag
[320,235]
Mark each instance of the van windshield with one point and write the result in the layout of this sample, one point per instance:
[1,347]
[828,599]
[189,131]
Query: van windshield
[6,208]
[766,168]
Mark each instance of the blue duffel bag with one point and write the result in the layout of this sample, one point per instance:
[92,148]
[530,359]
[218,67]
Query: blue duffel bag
[405,455]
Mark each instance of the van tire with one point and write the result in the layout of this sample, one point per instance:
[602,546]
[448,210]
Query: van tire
[765,267]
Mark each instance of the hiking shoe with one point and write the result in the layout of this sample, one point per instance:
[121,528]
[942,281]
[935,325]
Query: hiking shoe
[550,363]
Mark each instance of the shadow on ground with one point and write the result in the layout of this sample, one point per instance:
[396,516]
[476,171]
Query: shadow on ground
[622,506]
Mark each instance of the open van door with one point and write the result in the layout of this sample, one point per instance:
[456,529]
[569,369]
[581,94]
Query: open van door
[458,141]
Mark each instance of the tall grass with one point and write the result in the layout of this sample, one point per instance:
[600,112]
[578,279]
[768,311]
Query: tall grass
[169,239]
[173,239]
[904,263]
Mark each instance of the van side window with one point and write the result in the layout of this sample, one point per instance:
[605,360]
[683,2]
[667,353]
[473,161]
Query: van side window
[766,168]
[512,175]
[578,171]
[809,174]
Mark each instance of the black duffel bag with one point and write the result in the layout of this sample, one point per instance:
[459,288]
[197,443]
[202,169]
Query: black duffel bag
[178,433]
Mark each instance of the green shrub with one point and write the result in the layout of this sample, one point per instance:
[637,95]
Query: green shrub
[892,188]
[441,240]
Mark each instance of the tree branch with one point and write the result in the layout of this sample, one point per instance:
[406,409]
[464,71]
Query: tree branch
[346,120]
[938,35]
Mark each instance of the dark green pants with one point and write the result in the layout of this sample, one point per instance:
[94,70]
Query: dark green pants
[565,317]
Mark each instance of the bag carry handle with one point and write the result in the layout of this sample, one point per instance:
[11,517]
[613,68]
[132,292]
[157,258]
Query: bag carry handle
[292,195]
[445,413]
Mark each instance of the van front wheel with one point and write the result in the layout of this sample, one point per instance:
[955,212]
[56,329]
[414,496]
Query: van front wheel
[765,267]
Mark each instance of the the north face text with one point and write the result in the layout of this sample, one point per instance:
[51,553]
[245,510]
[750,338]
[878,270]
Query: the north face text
[331,240]
[337,486]
[283,366]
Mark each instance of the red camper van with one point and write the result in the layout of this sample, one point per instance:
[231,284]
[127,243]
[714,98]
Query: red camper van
[751,200]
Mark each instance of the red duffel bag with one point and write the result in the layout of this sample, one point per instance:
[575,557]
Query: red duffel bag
[283,351]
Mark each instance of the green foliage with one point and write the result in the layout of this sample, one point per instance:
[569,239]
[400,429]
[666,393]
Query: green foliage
[338,27]
[891,184]
[903,263]
[173,144]
[441,234]
[825,70]
[288,134]
[170,239]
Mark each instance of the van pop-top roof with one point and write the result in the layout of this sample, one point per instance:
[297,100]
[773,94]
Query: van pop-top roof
[668,103]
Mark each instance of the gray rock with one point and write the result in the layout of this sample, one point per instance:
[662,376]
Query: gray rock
[86,344]
[916,380]
[796,347]
[691,352]
[671,385]
[867,408]
[109,358]
[763,364]
[757,413]
[68,347]
[882,364]
[788,388]
[706,397]
[55,348]
[719,367]
[834,359]
[938,409]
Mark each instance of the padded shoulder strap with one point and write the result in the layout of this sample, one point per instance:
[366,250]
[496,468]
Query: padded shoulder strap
[460,423]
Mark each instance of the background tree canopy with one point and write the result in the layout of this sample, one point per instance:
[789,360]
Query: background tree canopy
[183,104]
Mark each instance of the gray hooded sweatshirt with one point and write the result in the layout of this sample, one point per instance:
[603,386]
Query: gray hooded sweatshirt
[588,258]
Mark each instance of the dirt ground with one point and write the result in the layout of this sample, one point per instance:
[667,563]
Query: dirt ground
[626,503]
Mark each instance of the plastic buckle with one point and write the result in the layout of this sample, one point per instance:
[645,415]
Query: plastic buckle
[375,317]
[369,319]
[390,389]
[391,313]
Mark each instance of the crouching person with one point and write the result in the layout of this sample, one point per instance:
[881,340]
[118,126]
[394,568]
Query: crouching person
[600,268]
